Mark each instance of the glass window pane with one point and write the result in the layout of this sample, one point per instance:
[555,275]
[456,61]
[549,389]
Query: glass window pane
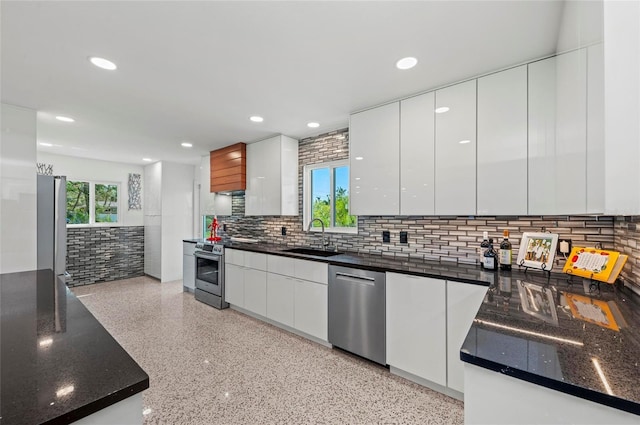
[321,196]
[341,216]
[77,202]
[206,222]
[106,203]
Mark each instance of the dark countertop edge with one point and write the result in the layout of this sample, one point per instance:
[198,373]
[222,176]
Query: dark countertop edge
[346,263]
[102,403]
[586,394]
[391,269]
[194,240]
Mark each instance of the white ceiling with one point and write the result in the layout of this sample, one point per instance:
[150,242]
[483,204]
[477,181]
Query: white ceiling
[197,70]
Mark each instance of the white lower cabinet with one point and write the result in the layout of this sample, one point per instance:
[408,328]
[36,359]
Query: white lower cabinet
[188,266]
[463,302]
[289,291]
[234,284]
[280,299]
[245,280]
[255,291]
[416,327]
[311,308]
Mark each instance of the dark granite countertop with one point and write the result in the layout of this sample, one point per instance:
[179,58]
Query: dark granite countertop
[539,330]
[58,363]
[467,273]
[525,327]
[193,240]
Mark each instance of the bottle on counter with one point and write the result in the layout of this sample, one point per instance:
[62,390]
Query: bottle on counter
[490,257]
[505,252]
[483,247]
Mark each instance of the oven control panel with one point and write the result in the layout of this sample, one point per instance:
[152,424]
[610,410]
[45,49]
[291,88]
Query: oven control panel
[212,248]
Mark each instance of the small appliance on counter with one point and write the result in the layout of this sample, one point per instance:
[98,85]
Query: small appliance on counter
[210,274]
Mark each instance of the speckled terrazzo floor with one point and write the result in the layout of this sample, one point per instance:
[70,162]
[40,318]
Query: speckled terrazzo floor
[208,366]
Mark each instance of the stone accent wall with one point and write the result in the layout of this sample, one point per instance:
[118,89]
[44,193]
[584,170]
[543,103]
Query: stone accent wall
[627,240]
[102,254]
[435,238]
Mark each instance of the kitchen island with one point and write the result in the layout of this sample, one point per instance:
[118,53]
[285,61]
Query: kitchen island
[570,345]
[554,339]
[59,365]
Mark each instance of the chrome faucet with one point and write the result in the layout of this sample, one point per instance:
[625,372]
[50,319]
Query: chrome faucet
[324,244]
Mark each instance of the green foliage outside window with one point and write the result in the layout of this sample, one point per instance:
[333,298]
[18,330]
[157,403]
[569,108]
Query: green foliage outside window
[106,203]
[77,202]
[322,186]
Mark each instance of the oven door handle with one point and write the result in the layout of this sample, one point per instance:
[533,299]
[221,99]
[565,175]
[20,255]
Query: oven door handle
[207,256]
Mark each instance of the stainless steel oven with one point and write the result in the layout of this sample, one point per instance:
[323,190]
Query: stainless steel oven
[210,274]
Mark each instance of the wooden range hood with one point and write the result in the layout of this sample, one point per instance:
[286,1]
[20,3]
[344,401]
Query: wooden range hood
[228,168]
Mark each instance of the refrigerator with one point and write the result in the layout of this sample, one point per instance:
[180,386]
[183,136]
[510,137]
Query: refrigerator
[52,224]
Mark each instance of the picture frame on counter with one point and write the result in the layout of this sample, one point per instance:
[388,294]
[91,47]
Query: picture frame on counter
[537,250]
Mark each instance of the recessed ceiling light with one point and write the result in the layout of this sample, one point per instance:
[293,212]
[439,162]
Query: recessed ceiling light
[147,159]
[313,125]
[464,142]
[442,109]
[186,144]
[406,63]
[64,119]
[45,144]
[359,158]
[103,63]
[256,118]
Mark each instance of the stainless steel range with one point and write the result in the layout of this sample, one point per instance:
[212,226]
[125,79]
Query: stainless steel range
[210,274]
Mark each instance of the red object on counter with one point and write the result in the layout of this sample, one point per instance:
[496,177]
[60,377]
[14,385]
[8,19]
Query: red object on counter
[213,227]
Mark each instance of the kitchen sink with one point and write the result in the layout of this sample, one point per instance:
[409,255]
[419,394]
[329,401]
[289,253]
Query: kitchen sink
[312,251]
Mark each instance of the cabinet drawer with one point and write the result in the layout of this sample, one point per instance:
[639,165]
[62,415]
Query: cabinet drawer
[234,256]
[311,270]
[280,265]
[255,260]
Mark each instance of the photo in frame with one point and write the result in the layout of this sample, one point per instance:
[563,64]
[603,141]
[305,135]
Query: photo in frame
[537,250]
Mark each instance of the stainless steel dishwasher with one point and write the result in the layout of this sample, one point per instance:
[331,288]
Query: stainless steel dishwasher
[357,310]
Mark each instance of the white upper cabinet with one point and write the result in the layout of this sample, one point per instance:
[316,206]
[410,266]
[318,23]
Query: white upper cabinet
[595,129]
[374,151]
[455,155]
[557,134]
[417,134]
[502,143]
[272,177]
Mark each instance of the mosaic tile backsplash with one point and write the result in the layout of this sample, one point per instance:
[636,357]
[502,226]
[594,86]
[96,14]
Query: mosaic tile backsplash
[440,238]
[104,254]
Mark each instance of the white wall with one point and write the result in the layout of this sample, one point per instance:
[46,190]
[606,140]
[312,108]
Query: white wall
[104,171]
[210,203]
[581,25]
[17,189]
[622,107]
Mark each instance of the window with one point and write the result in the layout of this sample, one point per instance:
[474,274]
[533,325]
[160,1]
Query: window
[326,197]
[77,202]
[92,203]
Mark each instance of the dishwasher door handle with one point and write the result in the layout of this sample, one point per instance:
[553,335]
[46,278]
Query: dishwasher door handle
[361,279]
